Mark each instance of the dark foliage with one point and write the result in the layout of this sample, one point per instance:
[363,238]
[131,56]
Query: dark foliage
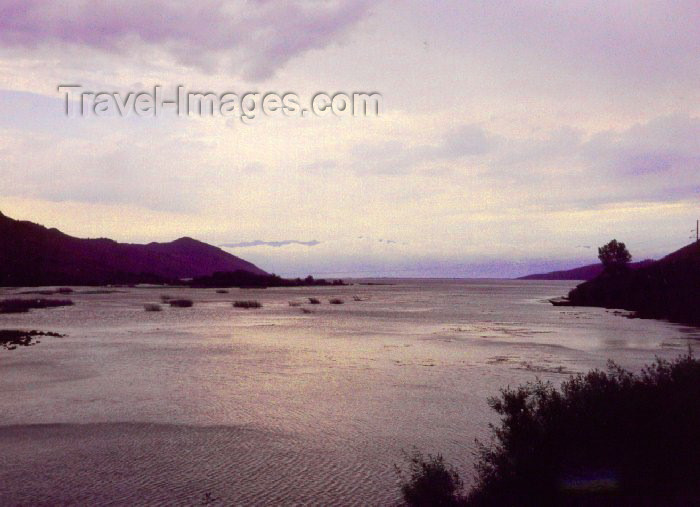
[180,303]
[24,305]
[614,255]
[49,292]
[246,279]
[430,482]
[336,301]
[314,301]
[605,438]
[668,288]
[247,304]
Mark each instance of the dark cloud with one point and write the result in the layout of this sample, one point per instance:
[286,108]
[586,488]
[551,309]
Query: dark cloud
[253,38]
[657,147]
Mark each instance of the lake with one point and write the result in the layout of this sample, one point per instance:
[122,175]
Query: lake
[215,404]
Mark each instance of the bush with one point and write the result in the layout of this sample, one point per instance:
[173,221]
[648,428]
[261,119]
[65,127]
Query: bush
[314,301]
[605,438]
[247,304]
[24,305]
[152,307]
[356,298]
[222,291]
[294,303]
[165,298]
[180,303]
[336,301]
[430,483]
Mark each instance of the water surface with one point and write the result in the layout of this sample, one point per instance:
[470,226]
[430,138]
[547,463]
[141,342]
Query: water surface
[275,405]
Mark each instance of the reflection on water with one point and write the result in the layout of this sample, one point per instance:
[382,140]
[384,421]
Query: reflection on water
[279,406]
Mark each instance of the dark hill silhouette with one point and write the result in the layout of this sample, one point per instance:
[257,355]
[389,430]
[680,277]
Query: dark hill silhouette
[33,255]
[588,272]
[668,288]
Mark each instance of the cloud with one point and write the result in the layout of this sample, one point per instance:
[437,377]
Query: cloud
[397,157]
[641,43]
[462,141]
[657,147]
[252,38]
[89,163]
[657,160]
[380,240]
[654,161]
[274,244]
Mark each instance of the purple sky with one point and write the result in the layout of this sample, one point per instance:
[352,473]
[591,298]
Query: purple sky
[516,135]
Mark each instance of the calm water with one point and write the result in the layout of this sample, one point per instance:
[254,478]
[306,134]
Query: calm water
[277,406]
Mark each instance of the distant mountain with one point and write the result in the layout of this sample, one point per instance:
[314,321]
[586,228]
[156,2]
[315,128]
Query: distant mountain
[668,288]
[32,255]
[588,272]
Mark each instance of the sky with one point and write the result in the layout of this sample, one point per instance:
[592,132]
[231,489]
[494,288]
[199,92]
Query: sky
[514,136]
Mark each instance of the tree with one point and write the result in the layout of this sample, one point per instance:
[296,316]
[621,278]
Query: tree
[614,255]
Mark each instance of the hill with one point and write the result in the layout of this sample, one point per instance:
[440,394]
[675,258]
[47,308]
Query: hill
[668,288]
[33,255]
[588,272]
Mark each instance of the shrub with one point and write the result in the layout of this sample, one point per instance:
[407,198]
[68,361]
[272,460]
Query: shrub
[64,290]
[247,304]
[336,301]
[152,307]
[314,301]
[294,303]
[222,291]
[430,482]
[24,305]
[165,298]
[306,310]
[605,438]
[180,303]
[356,298]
